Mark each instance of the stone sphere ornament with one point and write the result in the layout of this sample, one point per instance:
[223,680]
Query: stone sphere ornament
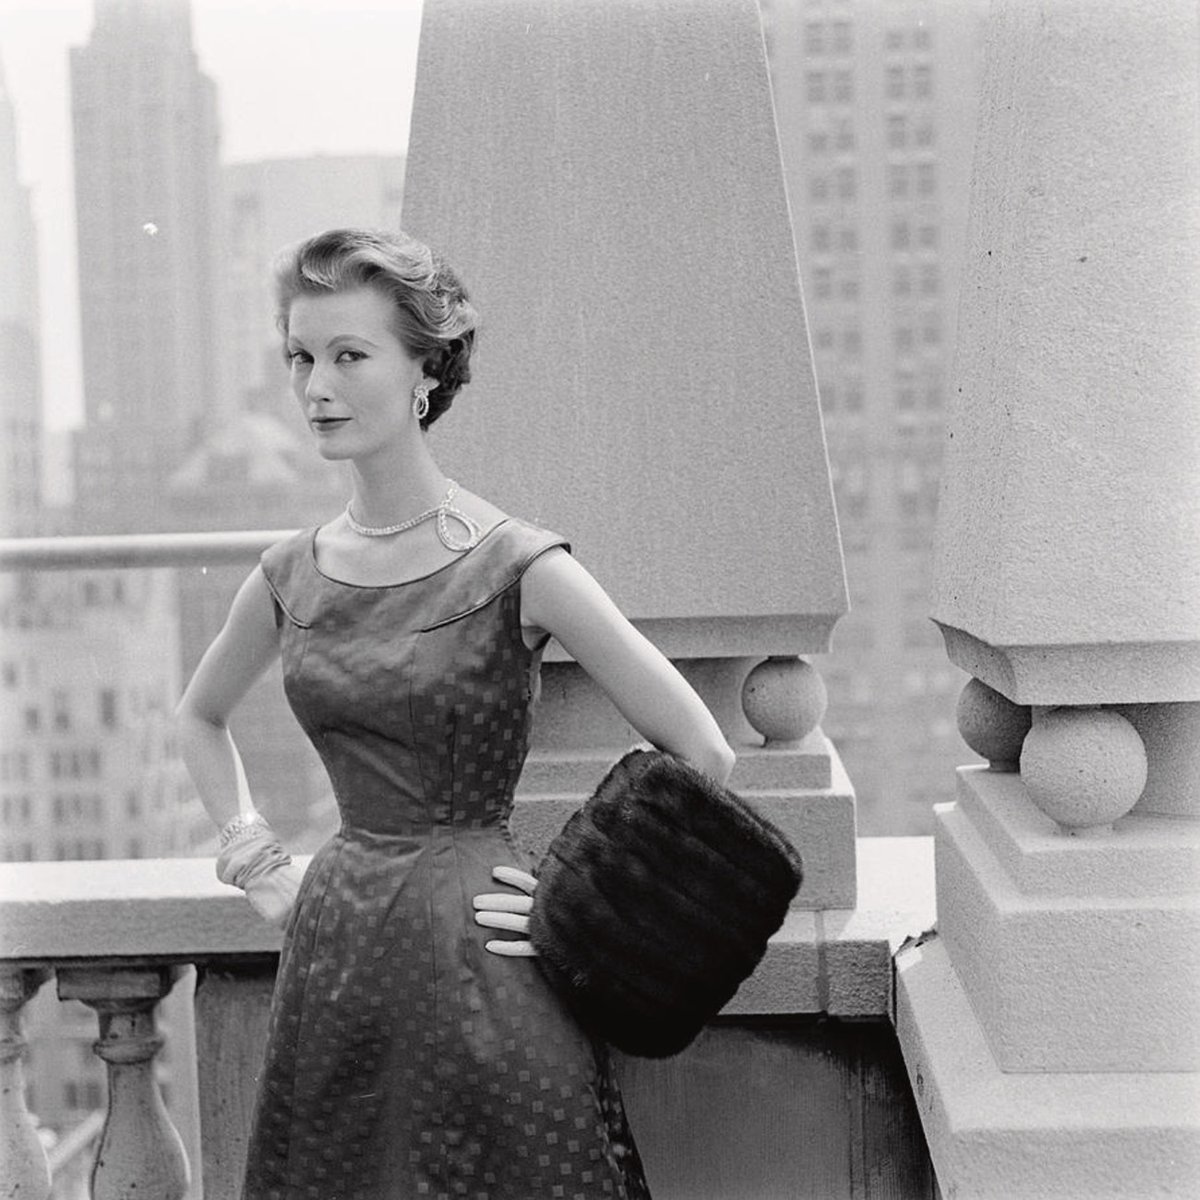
[992,725]
[784,698]
[1083,767]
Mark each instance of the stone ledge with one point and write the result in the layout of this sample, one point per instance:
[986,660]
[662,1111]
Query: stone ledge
[836,961]
[1071,1136]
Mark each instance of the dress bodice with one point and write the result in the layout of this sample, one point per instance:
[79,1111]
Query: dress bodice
[418,695]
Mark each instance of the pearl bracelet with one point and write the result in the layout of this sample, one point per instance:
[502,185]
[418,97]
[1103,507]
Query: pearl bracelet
[242,826]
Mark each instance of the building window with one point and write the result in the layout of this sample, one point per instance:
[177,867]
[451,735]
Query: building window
[922,37]
[818,188]
[60,703]
[923,135]
[849,288]
[828,396]
[847,183]
[845,135]
[814,38]
[33,720]
[894,39]
[848,239]
[897,131]
[108,708]
[843,37]
[926,179]
[929,280]
[927,236]
[902,282]
[9,671]
[900,235]
[903,337]
[818,142]
[820,238]
[843,87]
[852,343]
[822,283]
[898,181]
[814,87]
[922,79]
[134,848]
[894,83]
[854,395]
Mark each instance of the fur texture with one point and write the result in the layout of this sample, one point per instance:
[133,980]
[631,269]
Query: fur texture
[656,901]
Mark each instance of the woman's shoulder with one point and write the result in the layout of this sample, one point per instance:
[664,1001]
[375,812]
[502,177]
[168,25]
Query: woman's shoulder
[285,554]
[519,536]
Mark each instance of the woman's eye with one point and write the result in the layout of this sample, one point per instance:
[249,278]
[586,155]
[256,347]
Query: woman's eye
[350,356]
[297,357]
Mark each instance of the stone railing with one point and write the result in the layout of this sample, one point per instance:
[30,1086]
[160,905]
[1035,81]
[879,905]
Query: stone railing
[120,936]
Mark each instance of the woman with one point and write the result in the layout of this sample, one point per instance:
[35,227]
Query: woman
[407,1057]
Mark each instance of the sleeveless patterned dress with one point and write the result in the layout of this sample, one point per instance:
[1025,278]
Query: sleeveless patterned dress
[404,1060]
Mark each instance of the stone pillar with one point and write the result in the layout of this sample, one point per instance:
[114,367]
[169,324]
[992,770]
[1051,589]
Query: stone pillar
[140,1152]
[24,1173]
[1050,1029]
[606,175]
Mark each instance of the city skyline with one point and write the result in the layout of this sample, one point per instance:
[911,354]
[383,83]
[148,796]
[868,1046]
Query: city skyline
[263,59]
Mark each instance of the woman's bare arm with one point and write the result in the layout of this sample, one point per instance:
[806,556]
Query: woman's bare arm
[247,644]
[560,597]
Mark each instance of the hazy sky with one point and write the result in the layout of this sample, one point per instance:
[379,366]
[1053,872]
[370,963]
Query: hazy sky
[293,78]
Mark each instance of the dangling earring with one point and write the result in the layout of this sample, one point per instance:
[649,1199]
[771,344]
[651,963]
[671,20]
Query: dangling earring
[420,405]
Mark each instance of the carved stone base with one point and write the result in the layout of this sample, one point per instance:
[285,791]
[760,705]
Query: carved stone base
[998,1136]
[1077,953]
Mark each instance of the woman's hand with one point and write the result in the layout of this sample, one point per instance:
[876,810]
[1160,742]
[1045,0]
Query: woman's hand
[504,910]
[273,894]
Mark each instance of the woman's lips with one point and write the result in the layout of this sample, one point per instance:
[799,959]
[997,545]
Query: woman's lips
[325,424]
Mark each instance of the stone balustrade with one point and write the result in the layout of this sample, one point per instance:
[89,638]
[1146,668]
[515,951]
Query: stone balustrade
[117,934]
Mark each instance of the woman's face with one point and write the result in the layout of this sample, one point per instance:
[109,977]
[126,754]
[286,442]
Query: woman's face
[350,372]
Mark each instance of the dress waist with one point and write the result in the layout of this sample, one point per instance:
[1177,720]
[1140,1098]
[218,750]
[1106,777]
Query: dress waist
[402,838]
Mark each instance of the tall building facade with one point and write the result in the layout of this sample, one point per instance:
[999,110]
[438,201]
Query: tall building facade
[20,388]
[875,104]
[146,177]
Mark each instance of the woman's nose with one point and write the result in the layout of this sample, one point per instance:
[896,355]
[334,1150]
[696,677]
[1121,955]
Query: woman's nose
[316,387]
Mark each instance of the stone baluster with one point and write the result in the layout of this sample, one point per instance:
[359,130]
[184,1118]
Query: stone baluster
[140,1151]
[24,1173]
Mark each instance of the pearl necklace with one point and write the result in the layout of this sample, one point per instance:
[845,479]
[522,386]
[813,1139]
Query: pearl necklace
[444,511]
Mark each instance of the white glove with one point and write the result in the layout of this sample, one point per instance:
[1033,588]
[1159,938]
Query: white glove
[255,862]
[503,910]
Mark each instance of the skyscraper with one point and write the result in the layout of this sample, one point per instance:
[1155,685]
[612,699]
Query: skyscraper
[875,104]
[146,142]
[20,390]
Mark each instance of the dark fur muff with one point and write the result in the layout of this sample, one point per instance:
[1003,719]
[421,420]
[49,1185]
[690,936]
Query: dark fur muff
[656,901]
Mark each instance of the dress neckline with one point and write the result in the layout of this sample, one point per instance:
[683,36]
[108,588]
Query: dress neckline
[377,587]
